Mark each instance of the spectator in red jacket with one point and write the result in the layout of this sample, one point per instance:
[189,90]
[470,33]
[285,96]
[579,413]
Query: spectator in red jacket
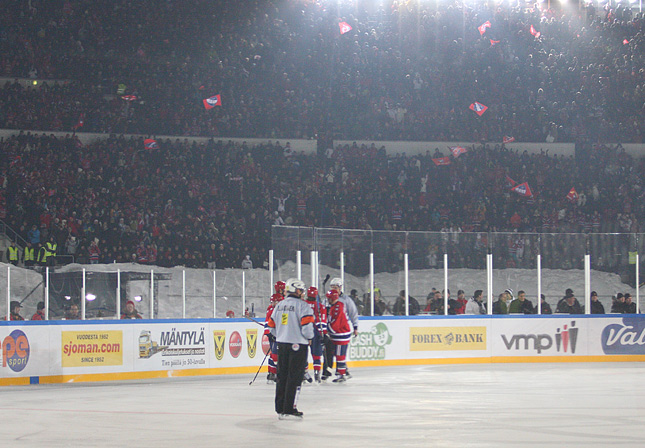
[130,311]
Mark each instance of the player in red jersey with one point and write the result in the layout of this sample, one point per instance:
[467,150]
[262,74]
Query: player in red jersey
[320,330]
[340,332]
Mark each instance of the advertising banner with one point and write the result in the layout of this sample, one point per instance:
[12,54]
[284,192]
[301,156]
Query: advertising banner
[91,348]
[105,350]
[539,337]
[171,346]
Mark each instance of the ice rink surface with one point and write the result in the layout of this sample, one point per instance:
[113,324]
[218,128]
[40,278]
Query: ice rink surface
[488,405]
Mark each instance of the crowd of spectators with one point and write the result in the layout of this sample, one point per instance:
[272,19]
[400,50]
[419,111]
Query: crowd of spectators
[406,71]
[212,204]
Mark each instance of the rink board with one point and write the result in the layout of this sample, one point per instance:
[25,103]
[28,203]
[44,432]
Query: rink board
[63,351]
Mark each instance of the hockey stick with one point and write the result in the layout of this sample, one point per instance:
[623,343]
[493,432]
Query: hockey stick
[253,320]
[259,368]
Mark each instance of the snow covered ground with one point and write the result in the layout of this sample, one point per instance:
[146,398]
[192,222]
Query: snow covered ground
[28,286]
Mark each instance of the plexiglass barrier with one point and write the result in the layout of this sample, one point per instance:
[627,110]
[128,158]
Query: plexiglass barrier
[441,271]
[454,264]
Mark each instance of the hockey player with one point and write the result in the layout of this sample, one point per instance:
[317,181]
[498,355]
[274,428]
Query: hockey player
[292,324]
[320,321]
[340,332]
[273,348]
[280,287]
[336,284]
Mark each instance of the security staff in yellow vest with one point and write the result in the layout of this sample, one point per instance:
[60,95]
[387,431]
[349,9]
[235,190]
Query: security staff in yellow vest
[13,254]
[29,255]
[50,252]
[41,255]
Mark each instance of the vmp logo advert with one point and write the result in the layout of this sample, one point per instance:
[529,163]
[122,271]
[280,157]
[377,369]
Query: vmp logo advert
[15,351]
[563,340]
[626,338]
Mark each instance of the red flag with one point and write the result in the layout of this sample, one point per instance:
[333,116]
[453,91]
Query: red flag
[150,143]
[213,101]
[573,195]
[478,108]
[508,139]
[14,160]
[625,42]
[493,42]
[344,27]
[442,161]
[457,151]
[534,32]
[483,26]
[81,121]
[510,182]
[129,97]
[523,190]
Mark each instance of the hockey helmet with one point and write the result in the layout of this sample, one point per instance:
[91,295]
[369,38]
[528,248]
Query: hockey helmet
[293,285]
[280,286]
[332,295]
[275,298]
[312,292]
[336,281]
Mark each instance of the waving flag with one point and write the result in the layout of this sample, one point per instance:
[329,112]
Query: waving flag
[523,190]
[213,101]
[508,139]
[81,121]
[442,161]
[493,42]
[14,160]
[478,108]
[457,151]
[573,195]
[150,143]
[482,27]
[129,97]
[344,27]
[537,34]
[510,182]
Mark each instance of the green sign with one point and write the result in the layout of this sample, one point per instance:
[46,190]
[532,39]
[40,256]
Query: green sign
[370,344]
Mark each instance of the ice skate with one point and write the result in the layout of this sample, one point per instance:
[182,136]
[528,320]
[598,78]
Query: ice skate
[340,379]
[271,378]
[317,376]
[295,415]
[308,378]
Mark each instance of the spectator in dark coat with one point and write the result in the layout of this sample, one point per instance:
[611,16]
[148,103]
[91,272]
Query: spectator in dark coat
[569,305]
[596,306]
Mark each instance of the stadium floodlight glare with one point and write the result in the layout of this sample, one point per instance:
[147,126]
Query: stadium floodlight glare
[89,297]
[137,298]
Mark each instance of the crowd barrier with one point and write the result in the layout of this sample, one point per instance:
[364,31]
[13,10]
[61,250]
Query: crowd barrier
[64,351]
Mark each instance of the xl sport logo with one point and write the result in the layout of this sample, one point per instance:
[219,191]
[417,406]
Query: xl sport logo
[626,338]
[15,351]
[564,340]
[370,344]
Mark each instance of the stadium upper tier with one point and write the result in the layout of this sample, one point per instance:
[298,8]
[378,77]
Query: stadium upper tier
[405,70]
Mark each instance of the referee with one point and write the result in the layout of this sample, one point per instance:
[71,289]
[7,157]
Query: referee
[292,324]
